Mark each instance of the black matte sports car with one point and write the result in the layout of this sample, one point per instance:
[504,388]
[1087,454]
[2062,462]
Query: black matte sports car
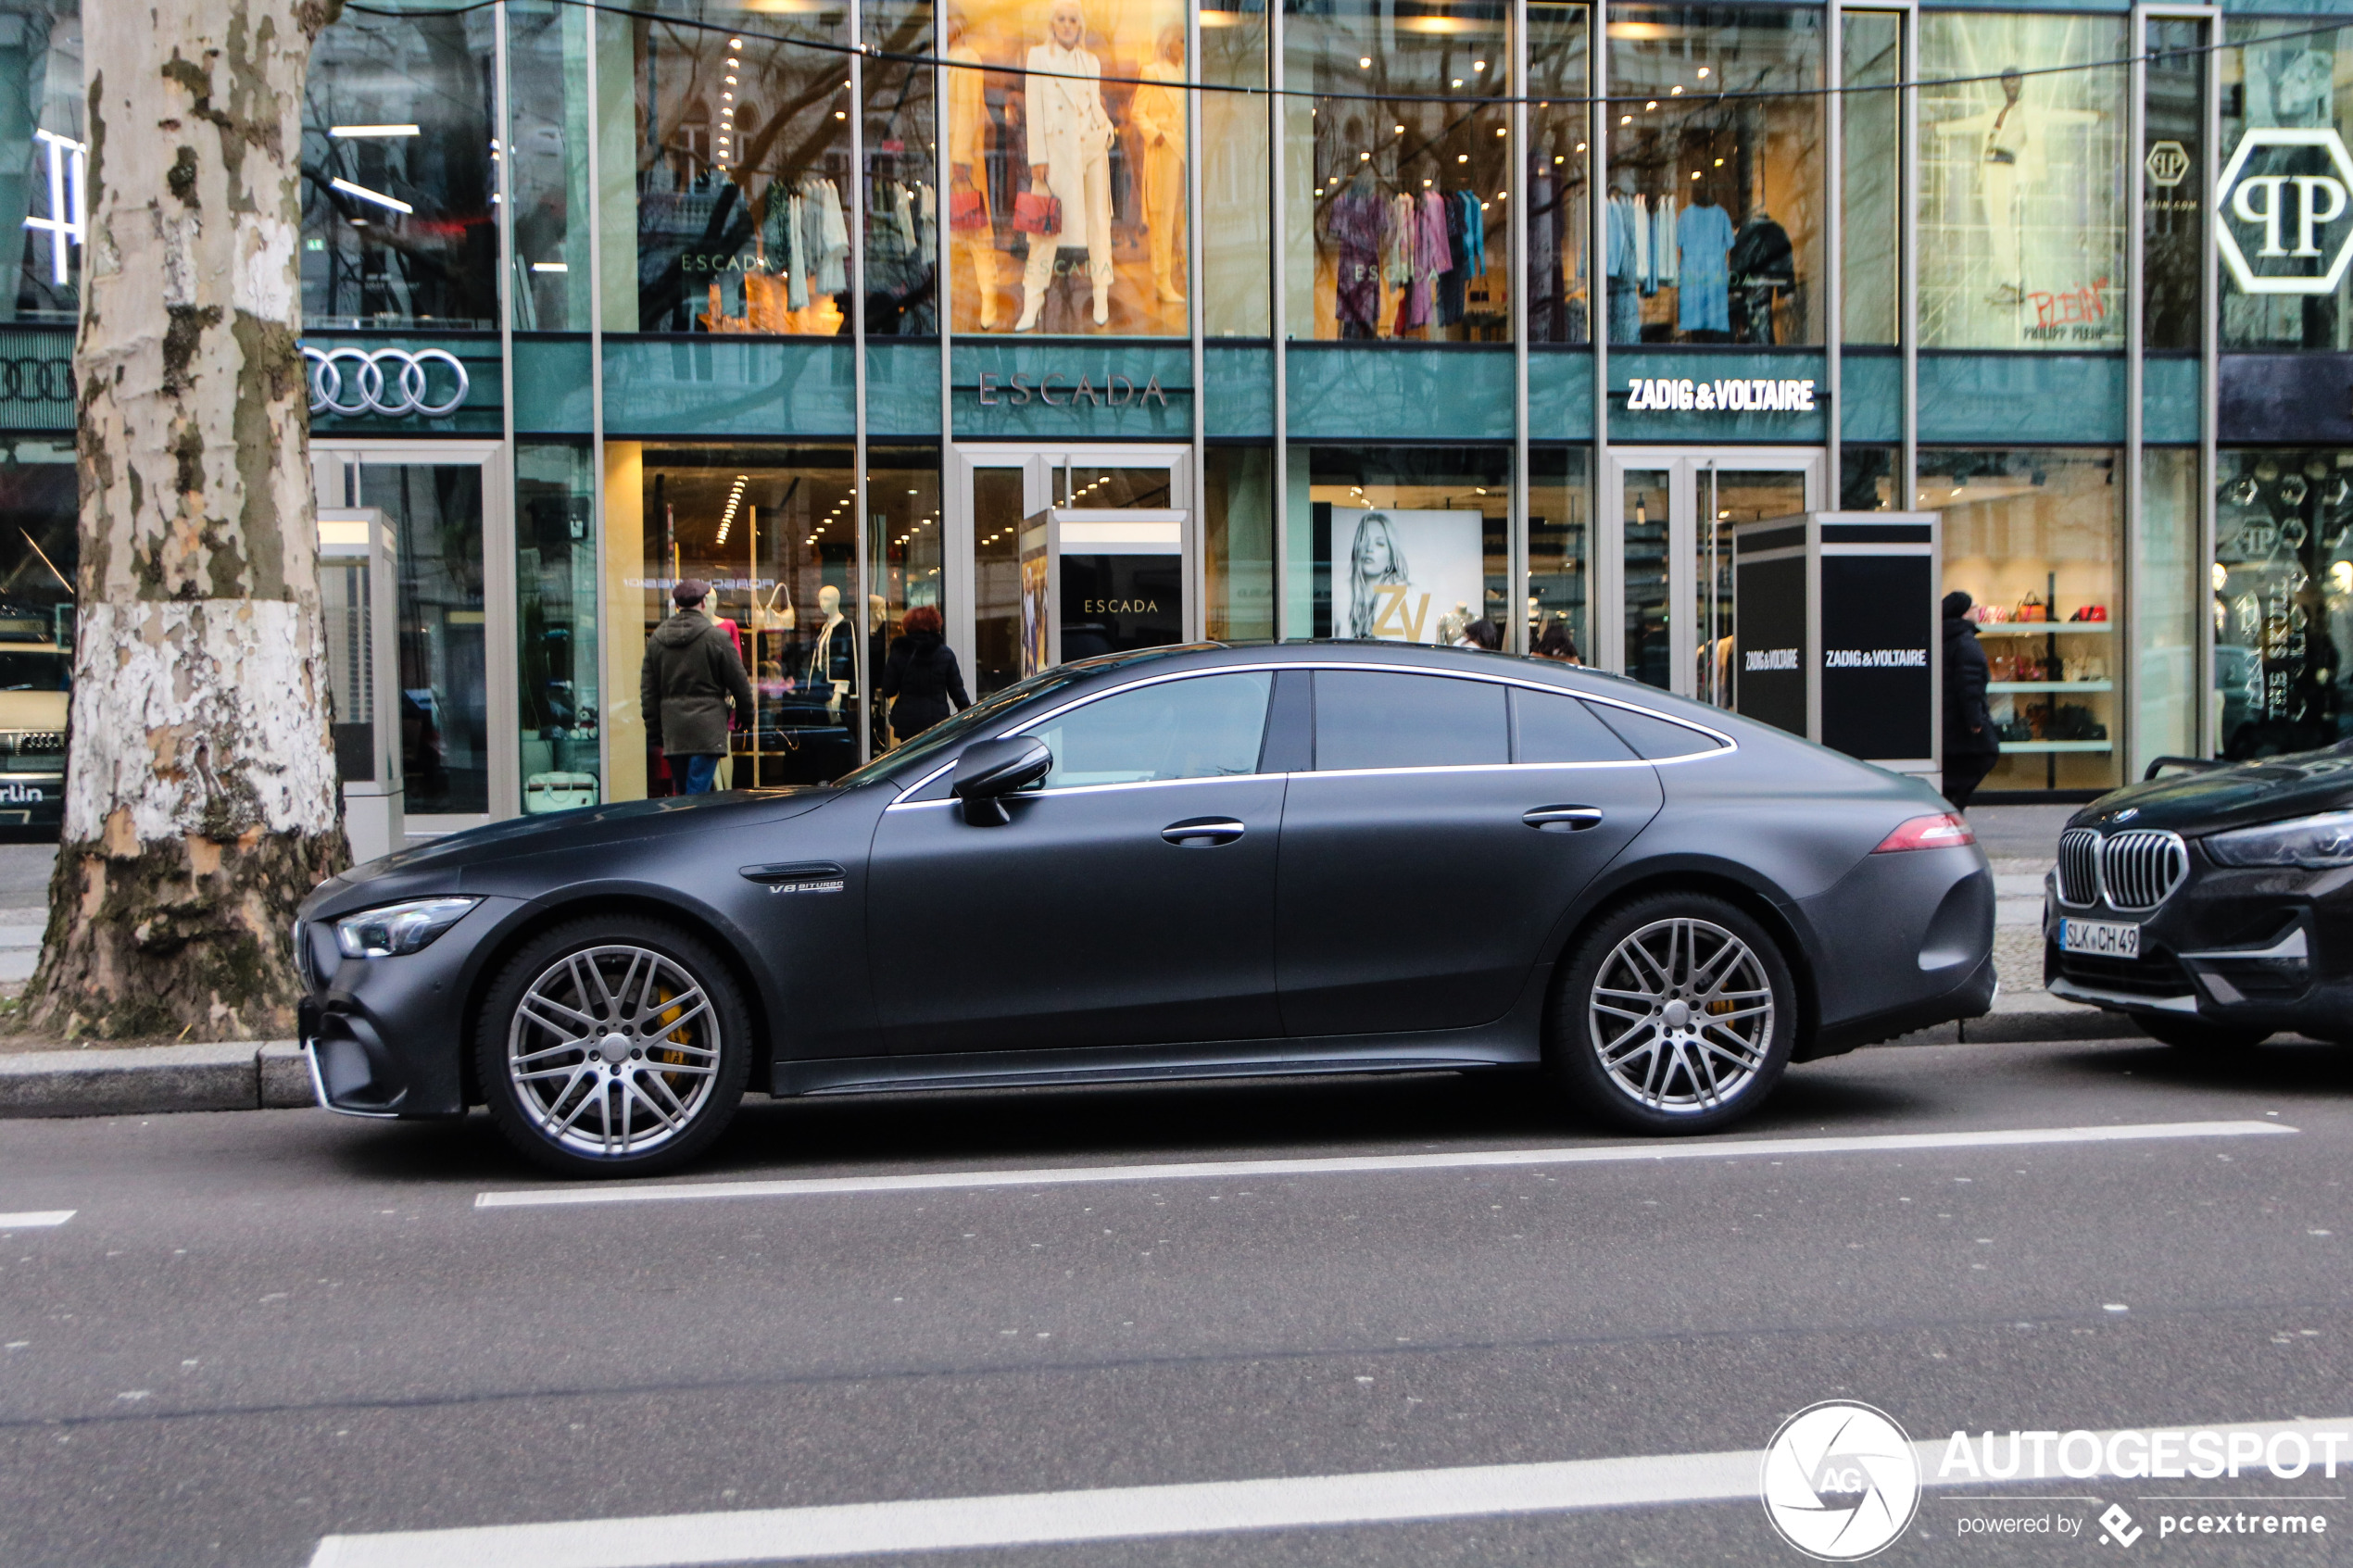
[1188,862]
[2215,907]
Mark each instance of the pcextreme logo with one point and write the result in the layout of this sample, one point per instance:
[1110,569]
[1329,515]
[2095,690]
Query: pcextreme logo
[2287,201]
[1839,1481]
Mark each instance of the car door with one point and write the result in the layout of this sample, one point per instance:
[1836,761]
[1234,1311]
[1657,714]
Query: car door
[1128,901]
[1422,868]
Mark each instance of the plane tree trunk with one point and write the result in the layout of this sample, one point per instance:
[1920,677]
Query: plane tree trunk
[201,801]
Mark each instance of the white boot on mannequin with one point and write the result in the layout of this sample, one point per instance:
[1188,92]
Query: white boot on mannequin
[1102,304]
[1033,299]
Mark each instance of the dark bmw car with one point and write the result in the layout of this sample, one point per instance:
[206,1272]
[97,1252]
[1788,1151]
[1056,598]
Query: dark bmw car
[1190,862]
[2213,908]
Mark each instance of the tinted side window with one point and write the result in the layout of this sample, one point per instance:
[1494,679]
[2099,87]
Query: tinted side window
[1550,728]
[1656,739]
[1370,719]
[1203,728]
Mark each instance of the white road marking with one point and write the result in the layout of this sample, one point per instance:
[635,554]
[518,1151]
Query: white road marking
[796,1534]
[36,1219]
[1628,1153]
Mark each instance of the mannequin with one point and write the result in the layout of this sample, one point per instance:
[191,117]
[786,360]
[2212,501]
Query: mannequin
[968,161]
[1159,114]
[832,663]
[2009,159]
[1069,135]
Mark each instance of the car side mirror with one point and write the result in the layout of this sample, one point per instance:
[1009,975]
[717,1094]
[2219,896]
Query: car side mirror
[988,771]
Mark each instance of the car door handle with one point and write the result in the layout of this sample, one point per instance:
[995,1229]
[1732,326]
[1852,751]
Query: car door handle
[1562,819]
[1203,833]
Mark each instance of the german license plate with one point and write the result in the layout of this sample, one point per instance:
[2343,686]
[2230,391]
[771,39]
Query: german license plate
[2110,938]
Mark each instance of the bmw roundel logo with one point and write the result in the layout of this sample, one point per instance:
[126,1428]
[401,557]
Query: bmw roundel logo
[2126,815]
[1839,1481]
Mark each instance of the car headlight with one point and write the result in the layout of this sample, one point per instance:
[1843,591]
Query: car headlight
[2316,843]
[398,928]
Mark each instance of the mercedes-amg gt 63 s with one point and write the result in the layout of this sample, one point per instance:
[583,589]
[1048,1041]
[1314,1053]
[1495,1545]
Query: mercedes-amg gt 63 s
[1190,862]
[2214,907]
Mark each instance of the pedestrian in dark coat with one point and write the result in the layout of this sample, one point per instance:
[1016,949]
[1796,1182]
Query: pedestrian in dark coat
[921,677]
[690,672]
[1971,744]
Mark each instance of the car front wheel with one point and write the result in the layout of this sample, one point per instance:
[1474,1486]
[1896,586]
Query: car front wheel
[1676,1014]
[615,1047]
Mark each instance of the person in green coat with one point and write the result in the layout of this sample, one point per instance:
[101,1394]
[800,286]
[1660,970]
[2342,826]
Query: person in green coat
[690,674]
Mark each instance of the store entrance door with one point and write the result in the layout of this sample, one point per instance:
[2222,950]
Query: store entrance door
[1673,512]
[1069,551]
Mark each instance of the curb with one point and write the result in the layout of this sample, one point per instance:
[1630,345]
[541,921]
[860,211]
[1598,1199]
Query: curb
[145,1080]
[2015,1026]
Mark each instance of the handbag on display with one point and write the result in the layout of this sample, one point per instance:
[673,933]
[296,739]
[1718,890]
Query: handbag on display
[773,613]
[1038,213]
[967,211]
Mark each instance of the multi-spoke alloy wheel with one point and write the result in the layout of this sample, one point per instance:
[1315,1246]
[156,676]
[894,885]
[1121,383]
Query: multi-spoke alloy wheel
[1682,1015]
[1675,1015]
[620,1050]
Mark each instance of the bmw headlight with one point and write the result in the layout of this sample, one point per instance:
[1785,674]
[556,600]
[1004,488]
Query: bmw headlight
[2316,843]
[398,928]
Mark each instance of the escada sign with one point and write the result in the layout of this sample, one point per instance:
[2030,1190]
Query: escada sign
[998,389]
[1739,394]
[2287,201]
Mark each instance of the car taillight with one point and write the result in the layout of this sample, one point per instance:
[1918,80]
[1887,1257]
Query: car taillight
[1939,831]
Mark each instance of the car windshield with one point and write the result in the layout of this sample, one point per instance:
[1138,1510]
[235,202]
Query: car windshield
[24,669]
[941,738]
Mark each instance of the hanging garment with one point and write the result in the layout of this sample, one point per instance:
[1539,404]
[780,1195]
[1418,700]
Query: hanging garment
[795,252]
[1703,235]
[904,208]
[1625,312]
[1451,283]
[1474,231]
[1433,257]
[1547,304]
[1397,255]
[1356,224]
[1645,267]
[1668,237]
[928,222]
[834,257]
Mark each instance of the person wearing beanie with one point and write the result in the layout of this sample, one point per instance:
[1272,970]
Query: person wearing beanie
[1971,745]
[690,674]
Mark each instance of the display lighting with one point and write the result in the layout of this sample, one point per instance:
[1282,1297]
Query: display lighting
[1703,73]
[1626,120]
[1581,146]
[1457,82]
[365,195]
[1652,104]
[550,267]
[1675,91]
[348,132]
[1364,64]
[1479,65]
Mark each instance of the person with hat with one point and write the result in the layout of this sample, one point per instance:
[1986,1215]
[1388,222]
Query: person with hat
[1971,744]
[691,673]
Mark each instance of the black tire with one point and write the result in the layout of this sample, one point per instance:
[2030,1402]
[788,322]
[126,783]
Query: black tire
[637,1058]
[2197,1035]
[1680,1097]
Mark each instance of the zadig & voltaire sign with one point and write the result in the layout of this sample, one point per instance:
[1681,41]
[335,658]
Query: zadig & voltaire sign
[995,388]
[1739,394]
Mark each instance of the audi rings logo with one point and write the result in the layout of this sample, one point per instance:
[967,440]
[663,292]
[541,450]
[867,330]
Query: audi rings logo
[28,380]
[1840,1481]
[391,382]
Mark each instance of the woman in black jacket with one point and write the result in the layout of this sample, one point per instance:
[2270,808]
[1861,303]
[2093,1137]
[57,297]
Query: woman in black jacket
[1971,744]
[921,677]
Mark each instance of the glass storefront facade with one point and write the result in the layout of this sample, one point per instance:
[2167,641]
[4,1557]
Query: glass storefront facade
[1434,319]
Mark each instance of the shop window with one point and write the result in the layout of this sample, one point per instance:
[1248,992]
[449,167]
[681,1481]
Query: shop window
[2282,601]
[2282,76]
[916,676]
[1867,479]
[1400,172]
[2022,154]
[1871,146]
[40,540]
[1238,537]
[1067,144]
[773,531]
[1715,203]
[1405,544]
[435,510]
[1559,206]
[1237,174]
[2036,538]
[1559,552]
[2165,613]
[555,627]
[742,196]
[398,227]
[44,162]
[2173,176]
[902,198]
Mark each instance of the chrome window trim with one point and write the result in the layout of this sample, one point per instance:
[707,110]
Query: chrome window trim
[1725,743]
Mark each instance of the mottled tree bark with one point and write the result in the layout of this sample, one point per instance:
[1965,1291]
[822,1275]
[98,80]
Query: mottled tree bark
[201,801]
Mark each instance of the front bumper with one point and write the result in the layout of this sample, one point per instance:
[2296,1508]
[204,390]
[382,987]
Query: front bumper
[386,1036]
[2255,949]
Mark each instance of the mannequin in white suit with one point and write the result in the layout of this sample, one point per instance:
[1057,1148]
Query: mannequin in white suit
[1069,136]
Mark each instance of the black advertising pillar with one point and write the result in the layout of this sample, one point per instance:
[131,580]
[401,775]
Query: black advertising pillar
[1835,628]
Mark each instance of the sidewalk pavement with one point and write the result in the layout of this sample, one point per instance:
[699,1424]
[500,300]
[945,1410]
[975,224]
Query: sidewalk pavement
[144,1080]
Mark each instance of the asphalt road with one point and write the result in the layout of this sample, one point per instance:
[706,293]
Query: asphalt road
[260,1330]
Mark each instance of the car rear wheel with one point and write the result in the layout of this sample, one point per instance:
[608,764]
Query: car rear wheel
[612,1048]
[2197,1035]
[1676,1014]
